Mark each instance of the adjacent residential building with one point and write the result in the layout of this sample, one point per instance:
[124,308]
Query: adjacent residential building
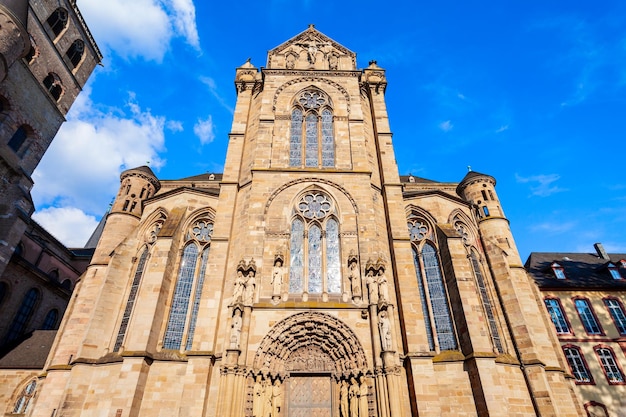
[308,278]
[584,294]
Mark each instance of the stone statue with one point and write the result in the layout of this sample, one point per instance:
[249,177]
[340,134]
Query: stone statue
[277,276]
[248,293]
[277,393]
[372,286]
[240,284]
[333,62]
[385,331]
[383,290]
[291,61]
[235,330]
[343,399]
[257,401]
[355,277]
[353,395]
[363,392]
[267,398]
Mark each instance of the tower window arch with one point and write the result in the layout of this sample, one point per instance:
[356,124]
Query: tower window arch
[16,143]
[314,265]
[57,21]
[182,319]
[435,307]
[75,52]
[53,84]
[312,142]
[50,321]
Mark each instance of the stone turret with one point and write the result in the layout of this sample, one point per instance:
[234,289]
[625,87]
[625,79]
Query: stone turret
[137,185]
[480,190]
[14,39]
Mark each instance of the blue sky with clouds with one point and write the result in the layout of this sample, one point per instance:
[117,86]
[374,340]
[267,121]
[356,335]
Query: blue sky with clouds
[533,93]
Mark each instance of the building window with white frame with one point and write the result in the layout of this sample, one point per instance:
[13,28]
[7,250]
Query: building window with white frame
[617,314]
[578,365]
[557,315]
[587,316]
[609,365]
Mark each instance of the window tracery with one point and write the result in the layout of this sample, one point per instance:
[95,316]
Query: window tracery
[437,316]
[312,127]
[25,397]
[314,246]
[182,319]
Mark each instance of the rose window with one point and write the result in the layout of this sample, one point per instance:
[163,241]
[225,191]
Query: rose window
[312,100]
[314,206]
[417,230]
[202,231]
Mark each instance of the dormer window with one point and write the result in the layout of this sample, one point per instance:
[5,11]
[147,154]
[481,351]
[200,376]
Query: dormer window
[558,270]
[614,271]
[622,263]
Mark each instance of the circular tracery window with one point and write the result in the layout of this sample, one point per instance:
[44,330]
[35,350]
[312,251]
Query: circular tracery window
[314,205]
[311,99]
[417,230]
[462,230]
[202,231]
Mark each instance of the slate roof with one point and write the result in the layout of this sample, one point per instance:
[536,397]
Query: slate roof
[582,270]
[28,352]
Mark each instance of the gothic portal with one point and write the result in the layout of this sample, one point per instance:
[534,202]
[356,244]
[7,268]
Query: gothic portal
[308,279]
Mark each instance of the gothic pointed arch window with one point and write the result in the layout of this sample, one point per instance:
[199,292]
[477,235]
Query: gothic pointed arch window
[57,21]
[181,324]
[312,142]
[468,237]
[25,397]
[433,295]
[314,265]
[23,315]
[50,321]
[74,54]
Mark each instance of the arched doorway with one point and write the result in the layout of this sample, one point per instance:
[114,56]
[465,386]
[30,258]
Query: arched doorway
[310,364]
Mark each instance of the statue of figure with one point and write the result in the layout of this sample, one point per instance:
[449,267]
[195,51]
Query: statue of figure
[343,399]
[248,293]
[235,330]
[291,61]
[383,290]
[333,62]
[277,392]
[385,331]
[240,284]
[353,395]
[372,286]
[355,277]
[257,401]
[363,392]
[277,277]
[267,398]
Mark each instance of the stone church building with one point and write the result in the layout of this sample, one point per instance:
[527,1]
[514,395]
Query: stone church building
[308,279]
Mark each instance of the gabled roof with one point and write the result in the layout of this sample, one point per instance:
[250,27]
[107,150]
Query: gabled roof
[582,270]
[28,352]
[310,35]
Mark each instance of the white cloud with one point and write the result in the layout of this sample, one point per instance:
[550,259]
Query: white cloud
[544,184]
[140,28]
[553,228]
[446,126]
[69,225]
[212,86]
[174,126]
[204,129]
[502,128]
[82,166]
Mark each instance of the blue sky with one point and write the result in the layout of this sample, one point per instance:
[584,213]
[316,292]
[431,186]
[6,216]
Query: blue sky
[533,93]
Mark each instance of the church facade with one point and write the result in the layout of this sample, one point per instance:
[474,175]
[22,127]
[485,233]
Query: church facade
[308,279]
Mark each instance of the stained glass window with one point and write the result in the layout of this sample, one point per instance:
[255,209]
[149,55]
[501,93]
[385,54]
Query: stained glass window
[333,268]
[315,264]
[296,267]
[557,316]
[586,317]
[438,299]
[196,298]
[486,300]
[577,364]
[612,371]
[50,321]
[295,148]
[617,313]
[420,285]
[319,143]
[23,314]
[23,401]
[131,300]
[180,303]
